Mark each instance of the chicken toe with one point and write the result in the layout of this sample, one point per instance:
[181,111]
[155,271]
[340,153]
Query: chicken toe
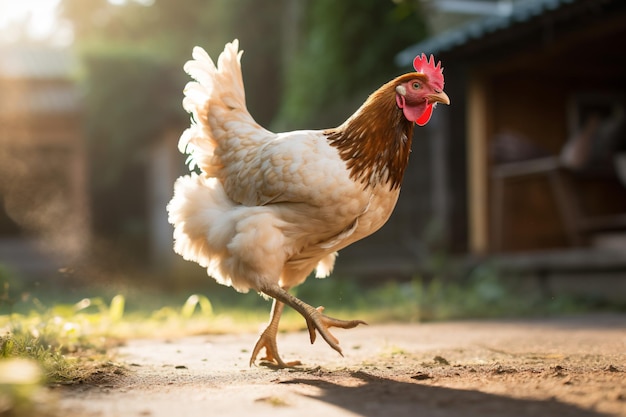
[267,340]
[326,322]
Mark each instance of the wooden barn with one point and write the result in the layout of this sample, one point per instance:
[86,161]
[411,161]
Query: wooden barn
[531,152]
[43,198]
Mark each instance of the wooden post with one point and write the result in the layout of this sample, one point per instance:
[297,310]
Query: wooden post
[477,154]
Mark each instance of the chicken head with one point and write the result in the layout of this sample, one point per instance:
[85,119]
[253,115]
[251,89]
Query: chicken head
[418,93]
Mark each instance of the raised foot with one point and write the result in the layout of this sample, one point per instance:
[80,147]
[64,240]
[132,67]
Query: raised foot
[321,322]
[315,320]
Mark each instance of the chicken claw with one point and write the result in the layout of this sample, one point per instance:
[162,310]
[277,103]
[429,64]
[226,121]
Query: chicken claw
[326,323]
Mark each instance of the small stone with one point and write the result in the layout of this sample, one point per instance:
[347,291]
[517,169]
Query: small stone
[441,360]
[421,376]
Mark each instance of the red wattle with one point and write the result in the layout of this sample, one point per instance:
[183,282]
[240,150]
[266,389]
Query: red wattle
[410,112]
[425,117]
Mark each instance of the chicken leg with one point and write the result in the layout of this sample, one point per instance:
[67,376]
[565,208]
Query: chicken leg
[267,339]
[315,320]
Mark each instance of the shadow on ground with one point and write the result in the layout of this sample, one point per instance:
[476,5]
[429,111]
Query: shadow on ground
[376,396]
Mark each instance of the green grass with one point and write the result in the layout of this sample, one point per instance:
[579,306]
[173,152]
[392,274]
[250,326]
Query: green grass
[70,343]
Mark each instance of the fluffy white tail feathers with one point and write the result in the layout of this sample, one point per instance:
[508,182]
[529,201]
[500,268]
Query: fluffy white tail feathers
[196,211]
[215,92]
[224,237]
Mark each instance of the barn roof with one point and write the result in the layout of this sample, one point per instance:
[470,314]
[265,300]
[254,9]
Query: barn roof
[523,13]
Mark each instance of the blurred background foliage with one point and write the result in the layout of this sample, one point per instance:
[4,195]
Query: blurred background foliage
[307,64]
[344,52]
[128,101]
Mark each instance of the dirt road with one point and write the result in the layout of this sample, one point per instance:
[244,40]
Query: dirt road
[572,366]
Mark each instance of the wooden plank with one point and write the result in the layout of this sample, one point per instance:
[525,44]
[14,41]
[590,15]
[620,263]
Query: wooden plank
[570,260]
[529,167]
[606,222]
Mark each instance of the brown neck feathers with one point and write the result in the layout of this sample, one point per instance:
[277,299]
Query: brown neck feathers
[375,141]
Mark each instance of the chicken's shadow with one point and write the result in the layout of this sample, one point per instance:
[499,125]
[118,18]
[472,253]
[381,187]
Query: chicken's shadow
[376,396]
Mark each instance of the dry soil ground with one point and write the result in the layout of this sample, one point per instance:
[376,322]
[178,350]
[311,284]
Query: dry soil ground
[573,366]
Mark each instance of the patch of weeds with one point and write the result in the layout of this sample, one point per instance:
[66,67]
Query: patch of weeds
[68,349]
[62,344]
[396,351]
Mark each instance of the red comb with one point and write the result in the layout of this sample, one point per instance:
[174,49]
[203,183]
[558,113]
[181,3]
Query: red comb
[423,65]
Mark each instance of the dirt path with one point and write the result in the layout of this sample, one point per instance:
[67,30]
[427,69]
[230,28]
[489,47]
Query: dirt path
[556,367]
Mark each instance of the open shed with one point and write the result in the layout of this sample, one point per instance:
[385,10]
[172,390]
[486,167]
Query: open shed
[535,137]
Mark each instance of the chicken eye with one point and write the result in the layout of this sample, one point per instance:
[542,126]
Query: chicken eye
[416,85]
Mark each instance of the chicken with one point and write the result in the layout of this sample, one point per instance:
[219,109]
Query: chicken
[269,208]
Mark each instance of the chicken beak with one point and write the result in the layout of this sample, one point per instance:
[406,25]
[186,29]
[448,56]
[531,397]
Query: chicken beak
[439,97]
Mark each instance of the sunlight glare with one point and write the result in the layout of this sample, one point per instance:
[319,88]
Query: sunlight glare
[35,19]
[122,2]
